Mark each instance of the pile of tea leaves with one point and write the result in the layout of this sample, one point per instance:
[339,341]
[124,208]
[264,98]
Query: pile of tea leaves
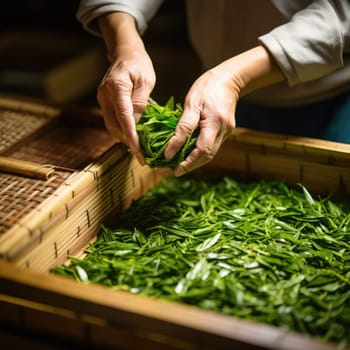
[256,250]
[156,127]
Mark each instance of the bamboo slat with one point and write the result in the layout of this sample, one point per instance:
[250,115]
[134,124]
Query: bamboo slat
[113,318]
[21,167]
[324,169]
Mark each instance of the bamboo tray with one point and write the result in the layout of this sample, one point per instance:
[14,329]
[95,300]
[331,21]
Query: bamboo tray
[91,185]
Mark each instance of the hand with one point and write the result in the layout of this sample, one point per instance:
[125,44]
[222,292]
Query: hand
[124,91]
[123,96]
[211,104]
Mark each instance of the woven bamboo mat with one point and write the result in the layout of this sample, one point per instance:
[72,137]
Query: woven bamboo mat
[11,133]
[38,133]
[21,195]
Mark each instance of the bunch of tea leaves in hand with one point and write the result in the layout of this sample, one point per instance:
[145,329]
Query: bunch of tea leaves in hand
[156,127]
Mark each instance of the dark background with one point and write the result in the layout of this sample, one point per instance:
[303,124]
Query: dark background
[166,40]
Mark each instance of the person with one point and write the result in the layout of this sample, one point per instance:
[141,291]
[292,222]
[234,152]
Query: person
[273,65]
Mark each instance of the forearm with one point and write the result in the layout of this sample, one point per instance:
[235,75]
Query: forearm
[119,29]
[252,70]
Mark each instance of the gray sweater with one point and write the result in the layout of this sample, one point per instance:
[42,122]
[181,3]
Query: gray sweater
[309,40]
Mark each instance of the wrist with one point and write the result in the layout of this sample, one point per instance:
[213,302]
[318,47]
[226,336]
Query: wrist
[252,70]
[119,29]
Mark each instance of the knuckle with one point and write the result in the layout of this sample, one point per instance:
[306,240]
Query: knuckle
[115,82]
[185,128]
[123,114]
[139,104]
[206,152]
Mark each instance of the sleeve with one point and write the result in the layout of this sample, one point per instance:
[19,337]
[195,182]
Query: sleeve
[313,43]
[141,10]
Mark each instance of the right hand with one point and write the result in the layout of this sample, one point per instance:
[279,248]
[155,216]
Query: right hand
[125,89]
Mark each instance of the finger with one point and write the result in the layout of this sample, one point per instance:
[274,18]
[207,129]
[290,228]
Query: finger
[115,98]
[140,96]
[124,112]
[115,129]
[116,89]
[185,127]
[110,118]
[128,118]
[207,145]
[140,158]
[137,116]
[192,162]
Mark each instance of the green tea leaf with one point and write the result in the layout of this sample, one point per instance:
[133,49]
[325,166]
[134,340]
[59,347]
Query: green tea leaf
[256,250]
[156,127]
